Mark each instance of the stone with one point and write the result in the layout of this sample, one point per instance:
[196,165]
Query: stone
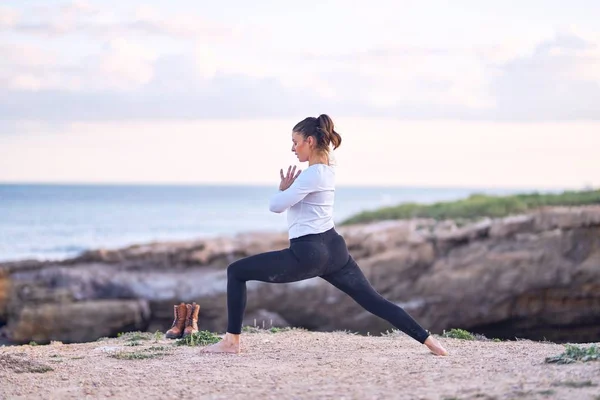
[535,276]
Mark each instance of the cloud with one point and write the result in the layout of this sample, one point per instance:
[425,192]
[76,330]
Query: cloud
[80,17]
[120,65]
[80,7]
[151,20]
[8,18]
[560,79]
[52,20]
[221,73]
[126,65]
[24,67]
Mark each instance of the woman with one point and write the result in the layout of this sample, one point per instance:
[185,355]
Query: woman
[316,249]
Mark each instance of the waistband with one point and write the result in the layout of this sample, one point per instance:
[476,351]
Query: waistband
[316,236]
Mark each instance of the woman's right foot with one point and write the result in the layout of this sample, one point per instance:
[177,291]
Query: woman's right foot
[435,347]
[227,345]
[221,347]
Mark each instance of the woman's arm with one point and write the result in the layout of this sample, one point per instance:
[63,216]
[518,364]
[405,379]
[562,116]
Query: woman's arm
[305,183]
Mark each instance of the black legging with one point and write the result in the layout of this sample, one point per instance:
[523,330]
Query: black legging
[324,255]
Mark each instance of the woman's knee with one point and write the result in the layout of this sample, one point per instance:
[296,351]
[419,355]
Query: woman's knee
[234,269]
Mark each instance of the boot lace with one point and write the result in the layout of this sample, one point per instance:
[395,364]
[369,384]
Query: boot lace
[190,317]
[176,317]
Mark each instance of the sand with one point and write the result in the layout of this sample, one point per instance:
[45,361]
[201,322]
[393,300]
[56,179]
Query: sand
[296,364]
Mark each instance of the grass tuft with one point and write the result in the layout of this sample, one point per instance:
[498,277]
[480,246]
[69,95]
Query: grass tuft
[200,338]
[134,336]
[458,334]
[573,354]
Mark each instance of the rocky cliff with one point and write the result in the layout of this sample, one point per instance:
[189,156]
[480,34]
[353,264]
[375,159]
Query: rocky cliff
[533,276]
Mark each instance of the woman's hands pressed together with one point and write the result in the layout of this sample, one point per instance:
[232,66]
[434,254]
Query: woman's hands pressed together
[289,178]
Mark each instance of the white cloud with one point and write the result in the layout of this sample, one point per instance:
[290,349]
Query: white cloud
[23,56]
[8,18]
[122,65]
[221,70]
[401,76]
[80,17]
[26,67]
[126,65]
[152,20]
[558,80]
[50,20]
[25,82]
[80,7]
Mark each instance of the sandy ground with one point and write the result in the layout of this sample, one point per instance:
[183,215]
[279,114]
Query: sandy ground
[296,364]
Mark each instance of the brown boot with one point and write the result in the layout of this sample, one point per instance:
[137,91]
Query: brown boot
[191,322]
[178,326]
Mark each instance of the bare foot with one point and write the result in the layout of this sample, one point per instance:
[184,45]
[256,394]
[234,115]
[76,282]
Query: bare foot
[229,344]
[435,347]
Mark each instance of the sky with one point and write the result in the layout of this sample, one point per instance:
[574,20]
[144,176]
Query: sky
[426,93]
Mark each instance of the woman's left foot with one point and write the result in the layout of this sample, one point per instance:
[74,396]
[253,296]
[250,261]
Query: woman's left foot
[435,347]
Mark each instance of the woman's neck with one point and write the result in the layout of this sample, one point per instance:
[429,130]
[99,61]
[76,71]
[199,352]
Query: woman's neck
[318,159]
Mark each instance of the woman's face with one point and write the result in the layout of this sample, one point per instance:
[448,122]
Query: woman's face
[301,146]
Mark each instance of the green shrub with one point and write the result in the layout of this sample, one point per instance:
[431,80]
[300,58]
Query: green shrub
[478,206]
[573,354]
[458,334]
[201,338]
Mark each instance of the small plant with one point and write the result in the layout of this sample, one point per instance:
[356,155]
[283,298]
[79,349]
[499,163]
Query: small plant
[257,329]
[573,384]
[40,369]
[573,354]
[251,329]
[138,355]
[158,348]
[548,392]
[349,332]
[458,334]
[33,343]
[277,330]
[158,335]
[133,343]
[484,396]
[134,336]
[201,338]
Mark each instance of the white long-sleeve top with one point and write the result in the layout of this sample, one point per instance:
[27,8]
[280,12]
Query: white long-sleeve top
[309,201]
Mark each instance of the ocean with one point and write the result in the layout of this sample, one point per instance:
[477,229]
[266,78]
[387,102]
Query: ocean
[55,222]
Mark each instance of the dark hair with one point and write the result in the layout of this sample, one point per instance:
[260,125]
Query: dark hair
[322,129]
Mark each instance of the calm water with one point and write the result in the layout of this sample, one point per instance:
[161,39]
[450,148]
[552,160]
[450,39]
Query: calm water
[60,221]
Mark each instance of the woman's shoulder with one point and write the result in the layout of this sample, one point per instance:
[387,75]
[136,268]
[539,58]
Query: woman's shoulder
[321,169]
[322,174]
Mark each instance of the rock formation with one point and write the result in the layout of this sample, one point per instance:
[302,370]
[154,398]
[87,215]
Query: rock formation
[532,276]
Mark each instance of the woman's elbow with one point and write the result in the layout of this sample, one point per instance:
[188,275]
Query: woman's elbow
[276,208]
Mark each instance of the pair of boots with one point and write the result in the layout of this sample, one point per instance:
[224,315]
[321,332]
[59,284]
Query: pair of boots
[185,322]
